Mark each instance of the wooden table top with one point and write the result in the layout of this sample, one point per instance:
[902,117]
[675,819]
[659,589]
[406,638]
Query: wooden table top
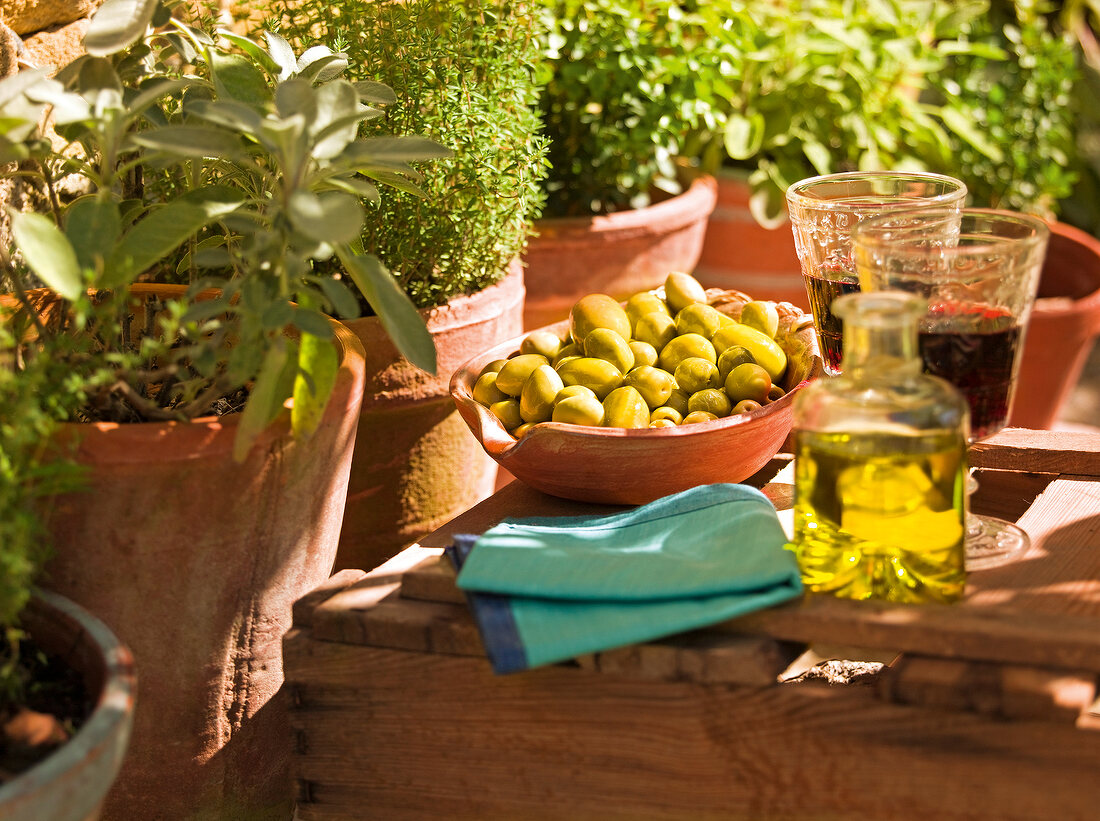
[1042,609]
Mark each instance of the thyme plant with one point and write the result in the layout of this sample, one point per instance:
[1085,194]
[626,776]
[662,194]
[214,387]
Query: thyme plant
[464,74]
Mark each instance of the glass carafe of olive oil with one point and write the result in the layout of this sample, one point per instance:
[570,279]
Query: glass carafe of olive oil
[880,465]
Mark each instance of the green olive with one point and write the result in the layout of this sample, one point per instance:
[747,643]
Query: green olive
[598,374]
[625,408]
[536,400]
[507,411]
[493,367]
[565,351]
[486,391]
[644,303]
[761,315]
[662,423]
[667,414]
[698,416]
[597,311]
[609,345]
[678,401]
[683,347]
[522,430]
[656,329]
[653,384]
[748,381]
[542,342]
[695,373]
[579,410]
[763,349]
[574,390]
[711,400]
[747,406]
[681,290]
[644,353]
[776,393]
[698,318]
[730,358]
[511,377]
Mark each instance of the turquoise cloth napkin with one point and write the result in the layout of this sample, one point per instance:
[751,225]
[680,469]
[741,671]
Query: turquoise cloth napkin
[548,589]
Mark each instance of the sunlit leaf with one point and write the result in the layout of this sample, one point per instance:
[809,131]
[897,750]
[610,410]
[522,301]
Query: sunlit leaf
[116,24]
[265,401]
[395,310]
[318,365]
[330,216]
[48,253]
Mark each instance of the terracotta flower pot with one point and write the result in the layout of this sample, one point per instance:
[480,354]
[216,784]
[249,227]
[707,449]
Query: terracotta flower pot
[195,561]
[70,785]
[416,463]
[1063,324]
[741,254]
[616,254]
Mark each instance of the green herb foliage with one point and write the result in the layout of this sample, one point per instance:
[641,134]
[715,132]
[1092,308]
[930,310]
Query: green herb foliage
[228,166]
[463,74]
[1009,105]
[626,99]
[238,173]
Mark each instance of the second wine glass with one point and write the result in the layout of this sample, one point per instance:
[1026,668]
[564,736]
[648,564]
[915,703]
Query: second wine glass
[979,271]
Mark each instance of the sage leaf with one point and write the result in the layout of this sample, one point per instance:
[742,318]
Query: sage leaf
[331,216]
[92,226]
[318,365]
[282,54]
[195,141]
[265,401]
[237,78]
[344,303]
[117,24]
[163,230]
[48,253]
[395,310]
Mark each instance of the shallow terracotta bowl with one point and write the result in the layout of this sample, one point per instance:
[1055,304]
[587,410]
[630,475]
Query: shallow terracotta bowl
[621,466]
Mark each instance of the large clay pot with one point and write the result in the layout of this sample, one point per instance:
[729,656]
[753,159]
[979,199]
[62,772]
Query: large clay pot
[195,561]
[741,254]
[70,785]
[416,463]
[1063,324]
[616,254]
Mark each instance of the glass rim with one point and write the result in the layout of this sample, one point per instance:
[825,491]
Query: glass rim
[870,233]
[797,194]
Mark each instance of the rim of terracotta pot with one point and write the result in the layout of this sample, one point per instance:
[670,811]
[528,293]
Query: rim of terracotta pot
[676,212]
[1054,308]
[207,435]
[113,709]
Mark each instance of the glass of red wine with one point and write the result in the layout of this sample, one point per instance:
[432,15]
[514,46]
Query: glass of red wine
[979,271]
[823,211]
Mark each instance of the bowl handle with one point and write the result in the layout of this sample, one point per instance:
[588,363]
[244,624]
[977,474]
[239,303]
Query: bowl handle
[485,426]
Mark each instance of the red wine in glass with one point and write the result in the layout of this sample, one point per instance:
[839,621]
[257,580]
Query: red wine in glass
[830,329]
[973,348]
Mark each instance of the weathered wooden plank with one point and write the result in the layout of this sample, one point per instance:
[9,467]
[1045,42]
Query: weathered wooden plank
[426,732]
[1060,573]
[392,621]
[433,579]
[303,608]
[996,634]
[1039,452]
[701,656]
[1003,691]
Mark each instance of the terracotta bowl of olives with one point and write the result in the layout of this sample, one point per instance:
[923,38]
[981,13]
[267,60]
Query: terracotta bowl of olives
[624,403]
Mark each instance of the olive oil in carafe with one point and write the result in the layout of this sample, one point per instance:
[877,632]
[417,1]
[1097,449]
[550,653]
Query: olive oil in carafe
[879,515]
